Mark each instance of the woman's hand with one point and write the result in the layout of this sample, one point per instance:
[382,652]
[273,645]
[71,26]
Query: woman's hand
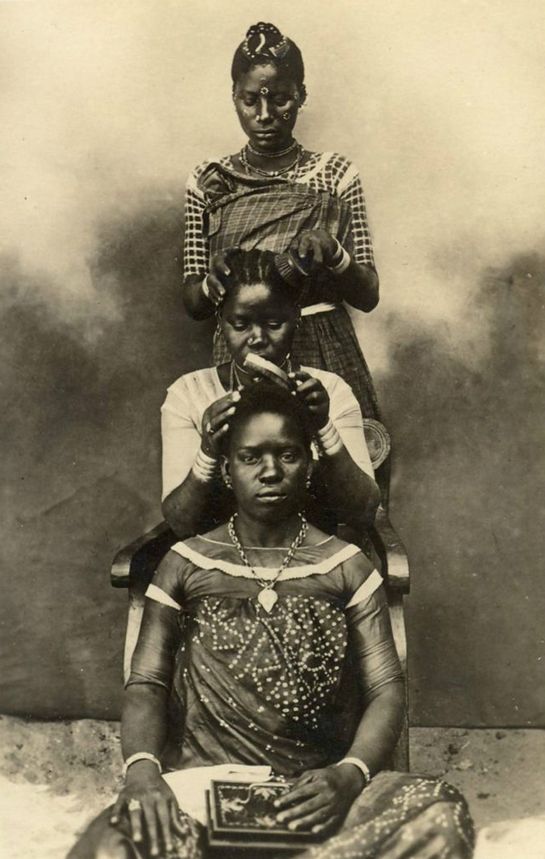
[316,249]
[219,269]
[215,422]
[314,397]
[151,808]
[320,799]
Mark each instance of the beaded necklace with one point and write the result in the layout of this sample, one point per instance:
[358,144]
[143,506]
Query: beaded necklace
[267,596]
[279,154]
[281,172]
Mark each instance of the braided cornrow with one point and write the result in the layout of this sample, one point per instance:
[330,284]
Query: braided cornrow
[250,267]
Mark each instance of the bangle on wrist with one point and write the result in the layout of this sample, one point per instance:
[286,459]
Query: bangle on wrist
[361,765]
[329,439]
[204,467]
[141,756]
[205,289]
[341,259]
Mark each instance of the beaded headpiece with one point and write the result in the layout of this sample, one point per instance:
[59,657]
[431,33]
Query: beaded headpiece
[264,41]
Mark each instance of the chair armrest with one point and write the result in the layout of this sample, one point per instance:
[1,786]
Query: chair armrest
[123,560]
[392,552]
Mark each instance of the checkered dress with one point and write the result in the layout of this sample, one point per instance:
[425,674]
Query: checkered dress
[225,208]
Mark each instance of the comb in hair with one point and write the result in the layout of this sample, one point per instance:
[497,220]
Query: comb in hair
[267,370]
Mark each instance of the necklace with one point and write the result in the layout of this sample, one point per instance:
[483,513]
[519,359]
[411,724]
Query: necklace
[267,596]
[236,383]
[293,145]
[281,172]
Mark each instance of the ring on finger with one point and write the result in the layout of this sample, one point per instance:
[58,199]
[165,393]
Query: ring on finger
[134,805]
[210,429]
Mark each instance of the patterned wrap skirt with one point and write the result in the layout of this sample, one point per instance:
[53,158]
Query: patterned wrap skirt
[398,816]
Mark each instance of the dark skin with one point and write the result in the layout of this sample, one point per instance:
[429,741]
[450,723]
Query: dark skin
[255,319]
[261,116]
[268,464]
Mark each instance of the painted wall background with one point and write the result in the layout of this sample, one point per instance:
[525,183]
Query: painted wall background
[105,108]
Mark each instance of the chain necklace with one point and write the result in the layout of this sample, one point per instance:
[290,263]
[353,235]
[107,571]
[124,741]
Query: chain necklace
[267,596]
[293,145]
[271,173]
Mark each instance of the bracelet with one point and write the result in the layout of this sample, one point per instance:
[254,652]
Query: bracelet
[205,289]
[329,439]
[341,259]
[204,467]
[141,756]
[361,765]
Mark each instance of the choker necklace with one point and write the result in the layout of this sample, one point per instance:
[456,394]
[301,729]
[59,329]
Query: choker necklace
[271,173]
[293,145]
[267,596]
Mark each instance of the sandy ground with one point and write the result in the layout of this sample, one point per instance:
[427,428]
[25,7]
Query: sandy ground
[54,777]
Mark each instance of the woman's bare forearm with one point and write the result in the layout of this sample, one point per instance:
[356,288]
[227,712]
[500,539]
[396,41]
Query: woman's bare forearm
[144,719]
[359,286]
[352,493]
[195,301]
[380,726]
[184,508]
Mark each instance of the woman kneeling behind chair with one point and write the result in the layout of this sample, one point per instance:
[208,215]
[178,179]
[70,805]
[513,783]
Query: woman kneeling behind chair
[259,316]
[245,636]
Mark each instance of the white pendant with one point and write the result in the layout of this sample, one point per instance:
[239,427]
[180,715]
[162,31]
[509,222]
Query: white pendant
[267,598]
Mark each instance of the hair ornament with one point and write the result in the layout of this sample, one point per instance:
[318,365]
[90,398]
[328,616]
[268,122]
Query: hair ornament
[265,41]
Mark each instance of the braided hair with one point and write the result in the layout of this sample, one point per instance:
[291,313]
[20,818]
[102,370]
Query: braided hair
[264,43]
[247,268]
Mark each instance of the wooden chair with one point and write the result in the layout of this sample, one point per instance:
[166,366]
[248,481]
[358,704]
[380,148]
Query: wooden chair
[134,565]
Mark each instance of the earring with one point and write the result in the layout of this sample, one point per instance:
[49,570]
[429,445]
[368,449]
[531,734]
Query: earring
[308,481]
[228,482]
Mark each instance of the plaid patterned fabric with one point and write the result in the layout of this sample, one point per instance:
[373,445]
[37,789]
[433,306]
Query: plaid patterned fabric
[326,172]
[270,217]
[251,212]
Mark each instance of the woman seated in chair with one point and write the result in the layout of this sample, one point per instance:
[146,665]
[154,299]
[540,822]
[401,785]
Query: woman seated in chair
[246,633]
[259,315]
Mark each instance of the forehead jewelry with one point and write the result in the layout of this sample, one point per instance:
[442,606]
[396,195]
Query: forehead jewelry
[267,596]
[264,90]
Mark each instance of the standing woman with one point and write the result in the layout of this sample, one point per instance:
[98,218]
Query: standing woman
[276,195]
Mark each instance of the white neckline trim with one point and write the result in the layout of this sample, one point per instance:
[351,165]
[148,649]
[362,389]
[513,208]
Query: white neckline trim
[266,573]
[365,590]
[263,548]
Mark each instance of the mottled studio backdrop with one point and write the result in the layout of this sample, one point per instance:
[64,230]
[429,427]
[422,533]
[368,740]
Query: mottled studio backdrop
[105,106]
